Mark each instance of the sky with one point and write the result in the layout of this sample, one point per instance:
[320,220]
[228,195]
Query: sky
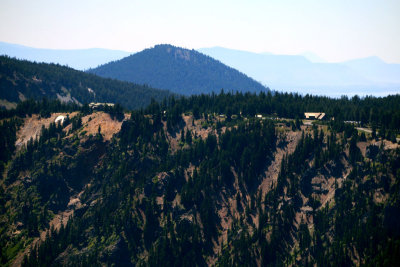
[333,30]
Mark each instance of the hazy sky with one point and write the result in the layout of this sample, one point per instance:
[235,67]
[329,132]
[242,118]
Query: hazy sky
[334,30]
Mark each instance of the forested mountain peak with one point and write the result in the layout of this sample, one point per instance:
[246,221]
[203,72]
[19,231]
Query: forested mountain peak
[178,69]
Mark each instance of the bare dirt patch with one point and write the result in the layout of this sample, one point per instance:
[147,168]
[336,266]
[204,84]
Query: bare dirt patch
[33,125]
[271,174]
[196,127]
[386,144]
[363,147]
[107,125]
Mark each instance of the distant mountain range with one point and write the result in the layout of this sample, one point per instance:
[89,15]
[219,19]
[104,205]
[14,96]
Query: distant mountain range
[305,73]
[297,73]
[20,79]
[180,70]
[313,57]
[80,59]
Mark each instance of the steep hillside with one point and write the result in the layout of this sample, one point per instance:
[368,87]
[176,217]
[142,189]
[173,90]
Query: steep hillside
[180,70]
[20,80]
[180,184]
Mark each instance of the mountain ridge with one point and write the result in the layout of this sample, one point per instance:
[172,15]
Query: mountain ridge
[21,79]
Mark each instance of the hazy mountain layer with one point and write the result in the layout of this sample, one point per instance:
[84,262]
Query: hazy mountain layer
[80,59]
[296,73]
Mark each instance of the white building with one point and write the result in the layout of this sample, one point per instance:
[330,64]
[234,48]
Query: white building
[60,119]
[314,115]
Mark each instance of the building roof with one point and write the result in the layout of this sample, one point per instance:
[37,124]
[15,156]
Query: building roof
[316,115]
